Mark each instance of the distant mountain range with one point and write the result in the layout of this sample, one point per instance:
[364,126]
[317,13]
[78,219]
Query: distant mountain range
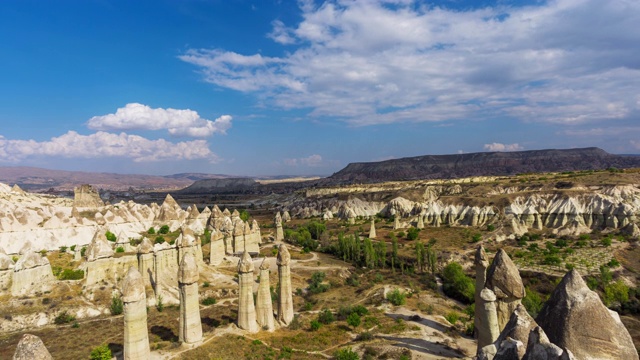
[480,164]
[34,179]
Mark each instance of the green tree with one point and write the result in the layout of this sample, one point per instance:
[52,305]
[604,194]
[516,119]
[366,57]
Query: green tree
[419,248]
[353,320]
[456,284]
[116,305]
[164,229]
[413,233]
[101,352]
[346,354]
[381,253]
[110,236]
[394,252]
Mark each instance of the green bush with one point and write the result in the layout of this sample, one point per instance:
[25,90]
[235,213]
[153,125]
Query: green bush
[119,249]
[326,316]
[616,292]
[613,263]
[83,251]
[315,325]
[353,320]
[151,231]
[606,242]
[315,284]
[551,259]
[346,354]
[73,248]
[456,284]
[476,238]
[64,318]
[396,297]
[69,274]
[413,233]
[365,336]
[208,301]
[159,240]
[533,302]
[101,352]
[63,249]
[159,304]
[491,227]
[164,229]
[110,236]
[452,317]
[116,305]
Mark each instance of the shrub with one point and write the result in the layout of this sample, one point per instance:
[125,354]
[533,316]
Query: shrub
[353,320]
[110,236]
[491,227]
[452,317]
[119,249]
[346,354]
[315,284]
[561,243]
[151,231]
[64,318]
[532,302]
[315,325]
[326,316]
[69,274]
[365,336]
[164,229]
[613,263]
[72,248]
[101,352]
[285,353]
[159,304]
[63,249]
[206,284]
[606,242]
[616,292]
[551,259]
[159,240]
[396,297]
[295,323]
[83,251]
[116,305]
[412,233]
[456,284]
[208,301]
[476,238]
[401,234]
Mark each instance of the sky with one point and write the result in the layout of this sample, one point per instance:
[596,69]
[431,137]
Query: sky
[265,87]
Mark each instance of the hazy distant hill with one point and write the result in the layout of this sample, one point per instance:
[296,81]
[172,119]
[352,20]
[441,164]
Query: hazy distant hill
[31,178]
[481,164]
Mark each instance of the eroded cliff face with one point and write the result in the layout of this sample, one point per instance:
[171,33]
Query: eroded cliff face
[579,209]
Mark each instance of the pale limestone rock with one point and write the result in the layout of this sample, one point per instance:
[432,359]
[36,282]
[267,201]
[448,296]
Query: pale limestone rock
[481,265]
[509,349]
[575,318]
[540,348]
[285,216]
[31,347]
[372,230]
[420,224]
[31,273]
[487,318]
[6,263]
[518,328]
[246,307]
[503,278]
[100,247]
[136,337]
[85,196]
[217,248]
[190,330]
[278,224]
[396,222]
[170,210]
[285,295]
[264,307]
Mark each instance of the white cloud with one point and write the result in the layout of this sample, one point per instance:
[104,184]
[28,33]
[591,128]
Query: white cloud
[136,116]
[105,145]
[503,147]
[371,62]
[311,161]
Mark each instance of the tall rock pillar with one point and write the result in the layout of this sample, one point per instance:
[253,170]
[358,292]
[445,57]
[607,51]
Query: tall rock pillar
[372,230]
[136,337]
[285,295]
[264,307]
[503,278]
[278,223]
[481,264]
[487,318]
[190,331]
[246,307]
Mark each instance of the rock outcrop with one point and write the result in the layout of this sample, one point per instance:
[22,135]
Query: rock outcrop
[246,307]
[136,337]
[100,247]
[540,348]
[85,196]
[31,347]
[190,330]
[503,278]
[285,294]
[264,306]
[277,221]
[372,229]
[31,273]
[575,318]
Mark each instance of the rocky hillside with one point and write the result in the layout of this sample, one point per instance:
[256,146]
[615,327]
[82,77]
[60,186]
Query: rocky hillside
[481,164]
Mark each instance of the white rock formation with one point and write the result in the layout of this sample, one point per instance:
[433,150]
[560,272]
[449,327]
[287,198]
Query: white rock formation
[136,337]
[31,273]
[31,347]
[285,294]
[190,328]
[246,307]
[264,306]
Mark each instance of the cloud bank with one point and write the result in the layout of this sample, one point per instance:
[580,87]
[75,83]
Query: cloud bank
[177,122]
[503,147]
[373,62]
[311,161]
[106,145]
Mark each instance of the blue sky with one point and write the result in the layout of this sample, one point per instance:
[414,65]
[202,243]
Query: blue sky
[286,87]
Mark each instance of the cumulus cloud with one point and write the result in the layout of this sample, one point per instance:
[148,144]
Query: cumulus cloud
[105,145]
[177,122]
[311,161]
[379,61]
[503,147]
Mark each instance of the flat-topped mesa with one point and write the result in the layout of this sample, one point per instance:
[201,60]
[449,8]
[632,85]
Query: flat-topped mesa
[136,337]
[246,307]
[264,306]
[31,347]
[575,318]
[504,279]
[372,229]
[85,196]
[277,221]
[190,327]
[285,295]
[100,247]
